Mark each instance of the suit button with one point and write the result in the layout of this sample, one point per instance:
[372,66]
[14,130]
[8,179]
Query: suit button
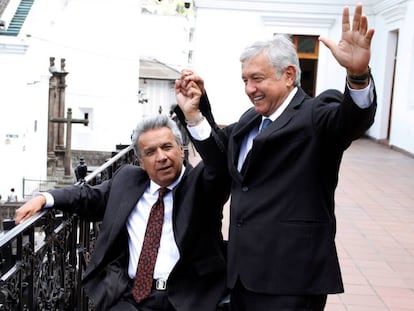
[239,223]
[245,188]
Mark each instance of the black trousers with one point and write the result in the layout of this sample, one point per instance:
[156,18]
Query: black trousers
[241,299]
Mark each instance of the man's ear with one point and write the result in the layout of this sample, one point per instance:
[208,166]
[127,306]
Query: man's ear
[290,73]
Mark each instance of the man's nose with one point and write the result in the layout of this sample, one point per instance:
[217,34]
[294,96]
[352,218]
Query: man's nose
[250,87]
[161,155]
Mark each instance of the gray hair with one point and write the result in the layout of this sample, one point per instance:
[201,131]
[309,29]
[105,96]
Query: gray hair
[280,51]
[151,123]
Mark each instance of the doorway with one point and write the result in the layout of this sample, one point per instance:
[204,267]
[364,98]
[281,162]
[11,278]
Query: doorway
[307,48]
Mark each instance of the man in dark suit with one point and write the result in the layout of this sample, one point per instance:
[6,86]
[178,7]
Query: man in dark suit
[281,251]
[189,273]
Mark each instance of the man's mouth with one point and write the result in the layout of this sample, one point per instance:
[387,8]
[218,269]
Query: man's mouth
[165,168]
[257,99]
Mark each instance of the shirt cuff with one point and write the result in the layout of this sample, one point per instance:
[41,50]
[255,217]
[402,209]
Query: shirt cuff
[363,98]
[201,131]
[50,201]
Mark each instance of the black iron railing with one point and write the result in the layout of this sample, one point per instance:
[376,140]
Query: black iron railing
[42,260]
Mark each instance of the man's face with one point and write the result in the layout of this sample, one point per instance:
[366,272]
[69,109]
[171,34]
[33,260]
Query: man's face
[261,84]
[161,155]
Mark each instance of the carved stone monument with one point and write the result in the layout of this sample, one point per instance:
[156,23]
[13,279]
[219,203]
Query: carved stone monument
[58,150]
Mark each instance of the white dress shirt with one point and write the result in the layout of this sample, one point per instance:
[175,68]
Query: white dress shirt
[168,253]
[247,142]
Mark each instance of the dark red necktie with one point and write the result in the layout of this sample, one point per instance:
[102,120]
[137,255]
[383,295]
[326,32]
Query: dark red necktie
[146,264]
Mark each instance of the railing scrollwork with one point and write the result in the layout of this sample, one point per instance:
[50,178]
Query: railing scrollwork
[42,259]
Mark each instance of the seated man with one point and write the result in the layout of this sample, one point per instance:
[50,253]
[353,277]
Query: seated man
[189,270]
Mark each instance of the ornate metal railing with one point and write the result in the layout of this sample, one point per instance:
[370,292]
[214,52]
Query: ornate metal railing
[42,259]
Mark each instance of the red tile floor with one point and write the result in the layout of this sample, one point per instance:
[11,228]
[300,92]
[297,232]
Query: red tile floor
[375,229]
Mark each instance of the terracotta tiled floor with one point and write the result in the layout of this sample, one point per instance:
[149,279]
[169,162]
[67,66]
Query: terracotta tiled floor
[375,235]
[375,229]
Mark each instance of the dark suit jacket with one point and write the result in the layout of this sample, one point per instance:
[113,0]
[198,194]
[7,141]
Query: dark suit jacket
[282,222]
[197,281]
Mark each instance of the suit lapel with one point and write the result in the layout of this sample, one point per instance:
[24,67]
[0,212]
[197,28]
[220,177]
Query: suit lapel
[182,212]
[272,129]
[287,115]
[128,199]
[247,123]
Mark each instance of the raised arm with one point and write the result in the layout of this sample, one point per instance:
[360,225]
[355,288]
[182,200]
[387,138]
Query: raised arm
[353,50]
[188,94]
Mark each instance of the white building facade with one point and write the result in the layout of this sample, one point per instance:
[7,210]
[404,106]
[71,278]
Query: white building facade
[102,42]
[99,41]
[224,27]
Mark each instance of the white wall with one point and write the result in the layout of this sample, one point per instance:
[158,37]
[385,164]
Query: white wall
[102,41]
[221,35]
[224,28]
[219,39]
[402,127]
[23,94]
[165,38]
[159,93]
[98,38]
[99,41]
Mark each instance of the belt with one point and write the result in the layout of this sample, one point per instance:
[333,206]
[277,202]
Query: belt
[159,284]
